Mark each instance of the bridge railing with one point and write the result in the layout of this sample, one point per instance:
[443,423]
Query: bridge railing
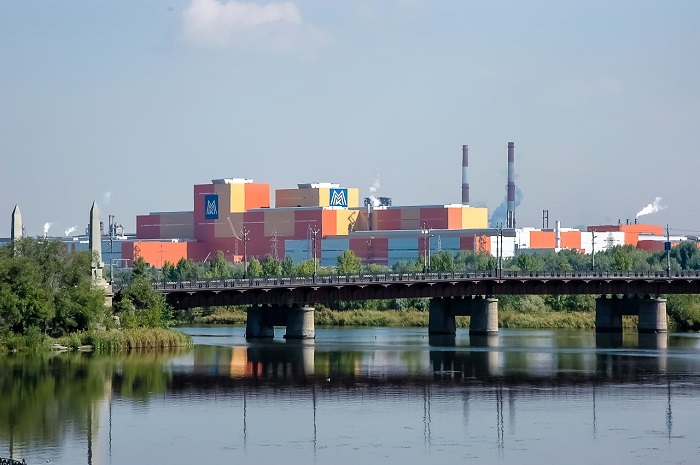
[367,278]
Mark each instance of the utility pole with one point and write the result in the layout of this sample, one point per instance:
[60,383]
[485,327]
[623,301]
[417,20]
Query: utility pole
[593,252]
[314,232]
[667,246]
[245,232]
[429,234]
[274,241]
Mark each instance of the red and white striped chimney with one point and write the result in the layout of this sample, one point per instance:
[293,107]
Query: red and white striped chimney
[465,178]
[510,216]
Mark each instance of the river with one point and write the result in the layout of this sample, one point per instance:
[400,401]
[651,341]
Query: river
[367,396]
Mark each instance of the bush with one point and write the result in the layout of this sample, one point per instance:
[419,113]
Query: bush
[684,310]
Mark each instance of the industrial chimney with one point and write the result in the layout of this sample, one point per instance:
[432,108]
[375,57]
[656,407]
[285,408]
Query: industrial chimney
[465,178]
[510,215]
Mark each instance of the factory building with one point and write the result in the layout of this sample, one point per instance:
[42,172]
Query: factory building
[322,220]
[314,220]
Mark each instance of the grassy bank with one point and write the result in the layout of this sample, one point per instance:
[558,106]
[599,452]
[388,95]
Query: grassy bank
[542,319]
[99,341]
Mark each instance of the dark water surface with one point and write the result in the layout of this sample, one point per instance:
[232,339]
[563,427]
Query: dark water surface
[362,396]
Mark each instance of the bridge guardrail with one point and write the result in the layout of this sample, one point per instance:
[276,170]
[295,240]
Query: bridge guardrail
[390,277]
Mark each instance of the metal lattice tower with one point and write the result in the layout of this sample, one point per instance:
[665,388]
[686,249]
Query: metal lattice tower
[274,241]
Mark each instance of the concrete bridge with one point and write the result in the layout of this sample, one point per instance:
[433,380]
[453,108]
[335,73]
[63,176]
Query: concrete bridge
[289,301]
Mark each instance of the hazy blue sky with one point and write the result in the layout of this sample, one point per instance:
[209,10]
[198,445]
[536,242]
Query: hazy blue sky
[131,103]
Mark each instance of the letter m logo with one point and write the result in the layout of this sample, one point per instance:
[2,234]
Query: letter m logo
[211,207]
[339,198]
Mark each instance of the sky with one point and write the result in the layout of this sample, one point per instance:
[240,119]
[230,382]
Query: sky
[131,103]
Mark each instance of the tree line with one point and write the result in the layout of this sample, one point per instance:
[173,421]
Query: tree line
[685,256]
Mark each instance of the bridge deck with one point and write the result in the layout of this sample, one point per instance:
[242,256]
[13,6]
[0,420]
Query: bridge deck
[333,288]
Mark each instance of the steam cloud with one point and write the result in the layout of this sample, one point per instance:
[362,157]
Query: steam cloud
[70,230]
[500,214]
[653,207]
[46,228]
[106,198]
[373,190]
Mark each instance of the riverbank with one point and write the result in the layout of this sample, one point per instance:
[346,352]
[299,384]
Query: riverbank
[111,341]
[542,319]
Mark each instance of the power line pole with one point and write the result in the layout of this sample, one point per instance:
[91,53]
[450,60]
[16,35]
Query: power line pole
[593,252]
[274,241]
[314,232]
[667,246]
[245,232]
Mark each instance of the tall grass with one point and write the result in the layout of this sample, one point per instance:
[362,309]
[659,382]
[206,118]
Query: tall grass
[127,340]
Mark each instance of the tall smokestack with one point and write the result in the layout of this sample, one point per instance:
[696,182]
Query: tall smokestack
[465,178]
[510,215]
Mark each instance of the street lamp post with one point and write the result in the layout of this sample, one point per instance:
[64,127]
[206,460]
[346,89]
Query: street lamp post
[426,247]
[314,232]
[245,232]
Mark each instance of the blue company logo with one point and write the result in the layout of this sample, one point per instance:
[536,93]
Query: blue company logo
[339,198]
[211,207]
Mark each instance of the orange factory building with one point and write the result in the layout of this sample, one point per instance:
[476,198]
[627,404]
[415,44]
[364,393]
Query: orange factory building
[322,220]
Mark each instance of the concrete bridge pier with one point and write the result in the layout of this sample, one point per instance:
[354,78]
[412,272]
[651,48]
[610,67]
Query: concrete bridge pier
[651,312]
[484,316]
[482,310]
[441,318]
[607,317]
[300,322]
[652,316]
[259,324]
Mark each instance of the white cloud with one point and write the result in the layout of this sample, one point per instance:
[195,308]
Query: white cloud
[216,23]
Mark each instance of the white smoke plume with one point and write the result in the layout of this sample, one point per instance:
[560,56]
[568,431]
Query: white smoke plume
[70,230]
[373,190]
[106,198]
[46,228]
[653,207]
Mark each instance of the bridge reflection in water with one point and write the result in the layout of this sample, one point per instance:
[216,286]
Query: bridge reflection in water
[477,371]
[595,357]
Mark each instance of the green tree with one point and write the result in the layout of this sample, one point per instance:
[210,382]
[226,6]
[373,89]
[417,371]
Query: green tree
[348,263]
[45,287]
[169,271]
[271,267]
[528,262]
[187,270]
[140,267]
[219,267]
[443,262]
[305,268]
[142,306]
[255,269]
[288,267]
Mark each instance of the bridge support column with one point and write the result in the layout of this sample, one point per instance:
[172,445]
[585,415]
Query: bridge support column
[484,318]
[258,325]
[652,316]
[482,310]
[607,317]
[300,323]
[441,318]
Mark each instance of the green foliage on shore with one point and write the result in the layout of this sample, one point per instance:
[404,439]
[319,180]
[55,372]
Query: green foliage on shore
[47,297]
[46,289]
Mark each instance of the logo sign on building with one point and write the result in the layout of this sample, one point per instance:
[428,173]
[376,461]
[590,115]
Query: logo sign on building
[211,206]
[339,198]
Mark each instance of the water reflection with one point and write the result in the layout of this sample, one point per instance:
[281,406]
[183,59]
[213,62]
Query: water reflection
[47,402]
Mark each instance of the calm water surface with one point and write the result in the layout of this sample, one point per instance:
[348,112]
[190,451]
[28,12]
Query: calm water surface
[363,396]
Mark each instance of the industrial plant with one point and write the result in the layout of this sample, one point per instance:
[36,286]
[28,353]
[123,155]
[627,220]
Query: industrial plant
[321,220]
